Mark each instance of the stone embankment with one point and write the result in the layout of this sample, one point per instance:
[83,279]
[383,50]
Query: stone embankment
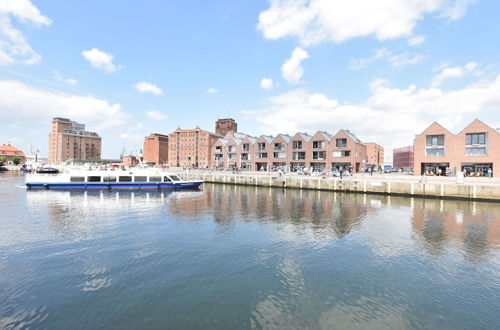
[410,186]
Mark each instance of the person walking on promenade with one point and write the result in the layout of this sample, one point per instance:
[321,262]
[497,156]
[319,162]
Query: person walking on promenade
[341,172]
[490,172]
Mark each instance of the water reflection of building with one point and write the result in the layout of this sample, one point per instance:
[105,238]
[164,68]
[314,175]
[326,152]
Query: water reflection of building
[474,225]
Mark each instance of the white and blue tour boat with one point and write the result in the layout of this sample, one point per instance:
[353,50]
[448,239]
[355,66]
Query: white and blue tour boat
[119,179]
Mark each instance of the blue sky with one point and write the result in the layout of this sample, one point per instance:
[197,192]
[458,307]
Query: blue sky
[383,69]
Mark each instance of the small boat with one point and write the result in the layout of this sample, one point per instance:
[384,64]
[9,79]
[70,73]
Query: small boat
[133,179]
[47,170]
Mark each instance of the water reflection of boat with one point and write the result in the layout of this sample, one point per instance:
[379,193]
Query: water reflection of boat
[135,179]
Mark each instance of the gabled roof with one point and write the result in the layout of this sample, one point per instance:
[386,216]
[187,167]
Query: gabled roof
[325,135]
[352,136]
[436,124]
[306,137]
[251,139]
[285,137]
[477,121]
[222,141]
[267,138]
[8,150]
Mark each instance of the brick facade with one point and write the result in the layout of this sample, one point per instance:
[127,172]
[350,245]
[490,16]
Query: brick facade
[475,149]
[375,155]
[191,147]
[155,149]
[321,151]
[68,140]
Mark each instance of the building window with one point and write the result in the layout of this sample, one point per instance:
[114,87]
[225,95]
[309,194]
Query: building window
[341,143]
[475,151]
[278,146]
[299,155]
[319,155]
[246,147]
[232,156]
[434,145]
[318,144]
[245,157]
[297,144]
[261,147]
[262,155]
[230,148]
[475,144]
[343,153]
[279,154]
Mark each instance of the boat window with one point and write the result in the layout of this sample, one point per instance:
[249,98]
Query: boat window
[140,178]
[109,179]
[166,179]
[155,179]
[125,178]
[77,179]
[175,178]
[94,179]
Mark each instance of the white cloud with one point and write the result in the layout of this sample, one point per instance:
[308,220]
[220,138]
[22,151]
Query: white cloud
[457,9]
[70,81]
[14,48]
[390,116]
[395,60]
[416,40]
[453,73]
[212,90]
[155,115]
[31,106]
[291,70]
[100,60]
[145,87]
[316,21]
[266,83]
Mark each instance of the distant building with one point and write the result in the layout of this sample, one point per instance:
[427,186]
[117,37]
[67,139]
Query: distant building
[402,158]
[10,152]
[474,150]
[130,161]
[375,155]
[191,147]
[156,149]
[68,140]
[225,125]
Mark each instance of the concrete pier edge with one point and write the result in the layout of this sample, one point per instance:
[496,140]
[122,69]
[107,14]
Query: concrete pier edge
[389,187]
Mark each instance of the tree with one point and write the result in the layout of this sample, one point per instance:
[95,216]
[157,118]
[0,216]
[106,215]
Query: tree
[2,160]
[16,160]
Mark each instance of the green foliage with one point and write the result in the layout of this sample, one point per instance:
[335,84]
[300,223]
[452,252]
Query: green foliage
[16,160]
[3,160]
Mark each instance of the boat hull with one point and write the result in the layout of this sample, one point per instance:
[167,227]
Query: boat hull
[114,185]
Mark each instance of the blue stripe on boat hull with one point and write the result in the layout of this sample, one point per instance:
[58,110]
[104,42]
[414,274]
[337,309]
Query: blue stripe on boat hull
[114,185]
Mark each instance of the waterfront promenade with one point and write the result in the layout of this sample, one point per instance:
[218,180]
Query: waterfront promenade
[487,189]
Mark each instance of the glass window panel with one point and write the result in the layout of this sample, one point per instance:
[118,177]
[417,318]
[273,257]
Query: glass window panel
[125,179]
[140,179]
[482,138]
[468,139]
[77,179]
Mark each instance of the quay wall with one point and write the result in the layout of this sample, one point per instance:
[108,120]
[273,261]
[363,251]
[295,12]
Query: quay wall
[443,190]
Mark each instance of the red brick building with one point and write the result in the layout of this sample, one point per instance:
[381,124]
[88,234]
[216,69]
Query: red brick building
[375,155]
[191,147]
[474,149]
[225,125]
[68,140]
[321,151]
[402,158]
[155,149]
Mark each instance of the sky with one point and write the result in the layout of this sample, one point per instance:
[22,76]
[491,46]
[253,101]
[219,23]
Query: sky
[384,69]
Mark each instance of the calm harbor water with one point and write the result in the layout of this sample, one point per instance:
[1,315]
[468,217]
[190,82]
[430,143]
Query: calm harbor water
[234,257]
